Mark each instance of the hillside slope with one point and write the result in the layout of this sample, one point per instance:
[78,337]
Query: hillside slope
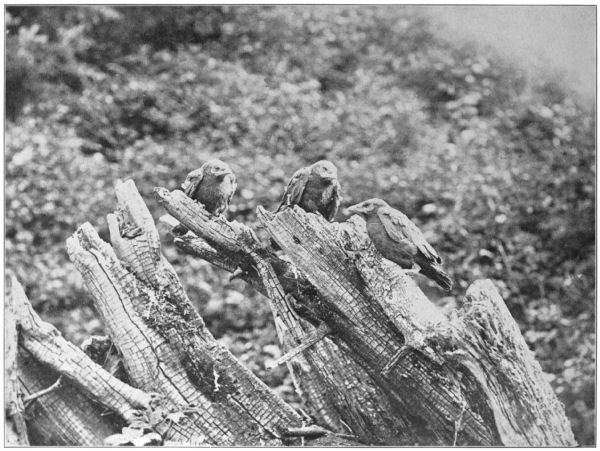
[497,168]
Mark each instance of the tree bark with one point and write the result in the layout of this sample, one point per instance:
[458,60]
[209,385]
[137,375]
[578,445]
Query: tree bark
[337,391]
[448,391]
[392,368]
[165,345]
[422,361]
[66,415]
[15,428]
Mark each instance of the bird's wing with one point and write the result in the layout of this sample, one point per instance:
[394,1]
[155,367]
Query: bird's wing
[338,192]
[234,187]
[192,181]
[295,188]
[337,196]
[399,228]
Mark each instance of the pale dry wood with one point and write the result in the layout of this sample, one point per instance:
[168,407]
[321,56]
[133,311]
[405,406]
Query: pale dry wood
[48,347]
[15,428]
[57,415]
[64,416]
[360,324]
[487,341]
[465,380]
[383,319]
[337,391]
[163,341]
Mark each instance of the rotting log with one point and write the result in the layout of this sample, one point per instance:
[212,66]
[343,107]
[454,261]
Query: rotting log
[63,416]
[337,391]
[466,381]
[72,412]
[439,388]
[15,427]
[164,343]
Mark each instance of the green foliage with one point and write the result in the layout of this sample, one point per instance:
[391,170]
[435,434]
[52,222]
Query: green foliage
[498,170]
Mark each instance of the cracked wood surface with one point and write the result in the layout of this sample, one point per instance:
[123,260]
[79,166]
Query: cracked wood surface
[464,380]
[64,416]
[46,344]
[15,428]
[378,315]
[164,343]
[67,415]
[223,236]
[487,341]
[338,392]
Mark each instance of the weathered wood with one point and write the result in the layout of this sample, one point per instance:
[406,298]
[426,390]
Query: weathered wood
[64,416]
[165,345]
[484,338]
[386,323]
[337,391]
[48,347]
[224,236]
[392,365]
[336,388]
[15,428]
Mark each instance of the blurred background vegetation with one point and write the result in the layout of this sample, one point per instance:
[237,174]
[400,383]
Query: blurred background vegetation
[497,167]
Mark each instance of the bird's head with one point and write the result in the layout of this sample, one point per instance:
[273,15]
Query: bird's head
[368,207]
[324,169]
[217,168]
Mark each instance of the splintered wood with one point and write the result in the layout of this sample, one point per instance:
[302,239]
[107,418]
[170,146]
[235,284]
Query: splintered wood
[412,351]
[66,415]
[373,359]
[336,389]
[165,346]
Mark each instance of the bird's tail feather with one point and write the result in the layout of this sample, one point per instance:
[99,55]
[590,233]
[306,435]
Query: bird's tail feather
[436,274]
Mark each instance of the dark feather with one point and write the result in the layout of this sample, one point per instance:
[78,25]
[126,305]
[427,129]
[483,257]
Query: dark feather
[295,188]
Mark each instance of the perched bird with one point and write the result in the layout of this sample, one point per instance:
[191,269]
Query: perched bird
[213,185]
[398,239]
[315,189]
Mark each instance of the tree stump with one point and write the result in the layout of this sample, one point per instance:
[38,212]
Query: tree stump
[442,383]
[185,388]
[373,359]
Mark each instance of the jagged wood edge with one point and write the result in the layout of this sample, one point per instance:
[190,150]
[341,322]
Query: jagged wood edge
[460,391]
[15,428]
[165,286]
[151,360]
[484,337]
[430,404]
[336,384]
[46,345]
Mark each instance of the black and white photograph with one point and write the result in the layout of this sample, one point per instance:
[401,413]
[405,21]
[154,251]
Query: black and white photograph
[288,225]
